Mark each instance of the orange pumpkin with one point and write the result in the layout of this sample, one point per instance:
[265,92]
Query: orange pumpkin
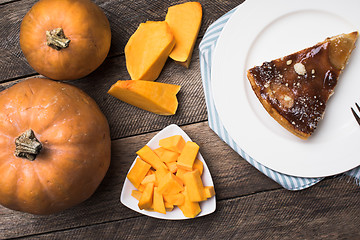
[65,39]
[55,146]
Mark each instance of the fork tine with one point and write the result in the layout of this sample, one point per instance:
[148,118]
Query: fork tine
[357,106]
[355,115]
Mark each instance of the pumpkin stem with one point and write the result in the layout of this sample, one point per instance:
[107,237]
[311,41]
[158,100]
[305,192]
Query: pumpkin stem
[57,39]
[27,145]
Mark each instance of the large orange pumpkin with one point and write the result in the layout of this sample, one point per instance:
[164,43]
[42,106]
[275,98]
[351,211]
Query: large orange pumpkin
[55,146]
[65,39]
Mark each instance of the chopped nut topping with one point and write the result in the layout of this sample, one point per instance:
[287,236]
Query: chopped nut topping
[300,68]
[288,62]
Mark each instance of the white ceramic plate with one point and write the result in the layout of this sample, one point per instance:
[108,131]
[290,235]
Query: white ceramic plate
[207,206]
[262,30]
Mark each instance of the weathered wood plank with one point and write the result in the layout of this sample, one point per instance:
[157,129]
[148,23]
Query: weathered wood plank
[232,177]
[124,18]
[329,210]
[126,120]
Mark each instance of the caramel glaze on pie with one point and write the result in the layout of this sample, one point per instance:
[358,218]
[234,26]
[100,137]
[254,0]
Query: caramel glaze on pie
[295,89]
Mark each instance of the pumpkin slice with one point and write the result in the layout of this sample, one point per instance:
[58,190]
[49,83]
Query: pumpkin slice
[189,209]
[188,155]
[158,202]
[138,172]
[151,158]
[159,98]
[174,143]
[194,186]
[146,198]
[147,50]
[184,21]
[209,191]
[136,194]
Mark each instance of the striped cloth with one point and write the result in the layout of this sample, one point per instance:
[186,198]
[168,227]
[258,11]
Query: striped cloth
[206,49]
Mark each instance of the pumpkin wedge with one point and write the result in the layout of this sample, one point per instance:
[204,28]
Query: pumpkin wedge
[148,49]
[184,21]
[159,98]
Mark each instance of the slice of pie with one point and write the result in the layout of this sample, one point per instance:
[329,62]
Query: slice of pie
[295,89]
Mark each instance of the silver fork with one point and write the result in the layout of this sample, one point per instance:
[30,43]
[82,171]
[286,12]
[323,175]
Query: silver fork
[356,115]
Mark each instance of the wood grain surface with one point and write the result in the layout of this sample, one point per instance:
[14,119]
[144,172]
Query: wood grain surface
[249,205]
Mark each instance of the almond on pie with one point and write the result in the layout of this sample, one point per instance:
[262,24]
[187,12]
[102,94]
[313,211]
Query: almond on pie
[295,89]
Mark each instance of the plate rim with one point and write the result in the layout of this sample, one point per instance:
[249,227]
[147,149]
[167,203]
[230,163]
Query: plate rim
[213,86]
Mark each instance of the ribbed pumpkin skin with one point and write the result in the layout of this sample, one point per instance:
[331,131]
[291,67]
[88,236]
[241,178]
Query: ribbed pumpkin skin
[76,146]
[83,23]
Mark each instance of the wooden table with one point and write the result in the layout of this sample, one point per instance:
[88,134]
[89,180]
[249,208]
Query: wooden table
[249,205]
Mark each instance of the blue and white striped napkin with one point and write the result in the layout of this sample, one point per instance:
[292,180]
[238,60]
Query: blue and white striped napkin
[207,47]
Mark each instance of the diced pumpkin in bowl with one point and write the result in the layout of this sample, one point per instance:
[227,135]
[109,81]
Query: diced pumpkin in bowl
[166,185]
[155,97]
[141,188]
[168,206]
[146,199]
[138,172]
[136,194]
[172,167]
[189,209]
[198,165]
[188,156]
[150,157]
[174,143]
[147,50]
[170,184]
[195,187]
[184,21]
[158,203]
[150,172]
[169,156]
[180,173]
[209,191]
[159,151]
[149,179]
[175,199]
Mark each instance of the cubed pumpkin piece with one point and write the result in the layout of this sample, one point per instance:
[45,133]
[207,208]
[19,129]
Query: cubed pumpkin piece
[141,188]
[155,97]
[180,173]
[189,209]
[188,156]
[172,167]
[149,179]
[158,204]
[150,172]
[209,191]
[146,199]
[169,156]
[166,155]
[168,206]
[170,184]
[184,21]
[160,174]
[136,194]
[195,187]
[138,172]
[159,151]
[199,166]
[174,143]
[175,199]
[147,50]
[150,157]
